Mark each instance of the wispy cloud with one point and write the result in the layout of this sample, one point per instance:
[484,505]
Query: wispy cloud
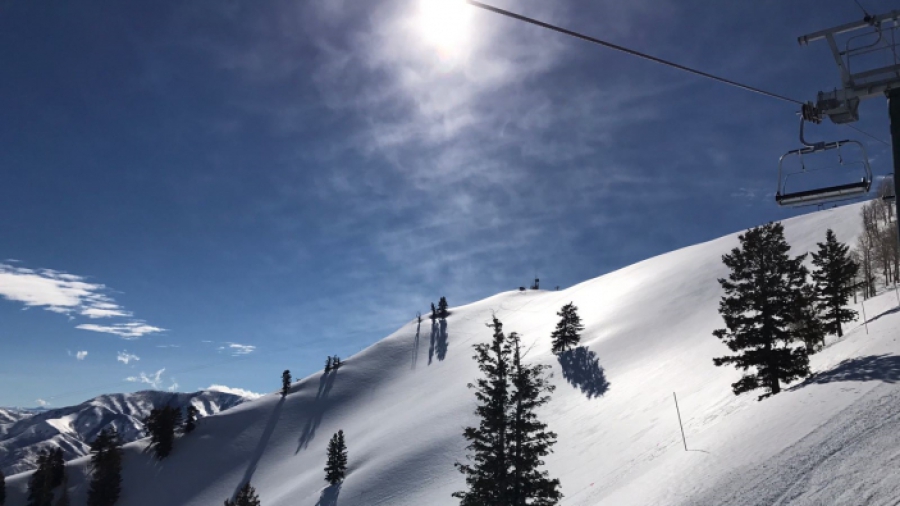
[42,403]
[155,380]
[238,349]
[68,294]
[127,358]
[81,355]
[130,330]
[234,391]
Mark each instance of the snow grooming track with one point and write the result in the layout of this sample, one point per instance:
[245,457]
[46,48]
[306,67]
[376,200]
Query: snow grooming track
[648,332]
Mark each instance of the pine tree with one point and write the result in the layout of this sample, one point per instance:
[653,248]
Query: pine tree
[336,363]
[487,474]
[190,422]
[2,488]
[336,465]
[834,278]
[328,365]
[806,324]
[161,424]
[285,382]
[246,496]
[529,438]
[759,308]
[568,330]
[106,469]
[57,465]
[64,494]
[442,311]
[40,491]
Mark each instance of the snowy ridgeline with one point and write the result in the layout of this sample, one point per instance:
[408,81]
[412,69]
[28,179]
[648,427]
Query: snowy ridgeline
[24,433]
[403,404]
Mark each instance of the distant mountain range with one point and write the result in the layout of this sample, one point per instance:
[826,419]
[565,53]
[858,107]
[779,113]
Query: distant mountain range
[25,432]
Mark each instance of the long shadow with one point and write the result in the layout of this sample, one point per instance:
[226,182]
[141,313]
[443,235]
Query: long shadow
[318,411]
[440,346]
[415,357]
[581,368]
[884,368]
[889,311]
[434,336]
[261,447]
[329,496]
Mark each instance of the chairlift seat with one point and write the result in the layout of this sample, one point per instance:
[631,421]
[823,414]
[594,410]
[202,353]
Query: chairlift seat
[820,195]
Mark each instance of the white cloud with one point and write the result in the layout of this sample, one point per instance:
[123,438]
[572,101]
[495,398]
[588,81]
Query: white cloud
[234,391]
[81,355]
[154,380]
[42,403]
[130,330]
[126,357]
[68,294]
[238,349]
[173,386]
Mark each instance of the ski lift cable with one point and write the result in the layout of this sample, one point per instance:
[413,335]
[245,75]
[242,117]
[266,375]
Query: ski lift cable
[867,134]
[626,50]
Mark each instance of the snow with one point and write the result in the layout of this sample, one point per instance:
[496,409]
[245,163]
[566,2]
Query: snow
[832,439]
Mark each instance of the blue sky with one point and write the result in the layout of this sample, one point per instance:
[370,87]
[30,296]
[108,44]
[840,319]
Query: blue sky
[207,193]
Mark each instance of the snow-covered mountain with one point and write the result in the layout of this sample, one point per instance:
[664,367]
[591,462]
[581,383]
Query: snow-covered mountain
[403,403]
[24,433]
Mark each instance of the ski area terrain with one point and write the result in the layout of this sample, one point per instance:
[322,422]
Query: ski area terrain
[403,404]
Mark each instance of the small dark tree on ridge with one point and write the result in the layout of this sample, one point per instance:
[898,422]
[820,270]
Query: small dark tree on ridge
[285,382]
[336,466]
[568,331]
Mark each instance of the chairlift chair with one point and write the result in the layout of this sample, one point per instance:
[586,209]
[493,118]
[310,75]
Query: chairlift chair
[825,194]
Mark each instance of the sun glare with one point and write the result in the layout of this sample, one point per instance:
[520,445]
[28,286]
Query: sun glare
[445,24]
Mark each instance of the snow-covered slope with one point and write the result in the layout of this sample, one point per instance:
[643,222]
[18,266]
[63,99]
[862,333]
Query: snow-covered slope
[403,404]
[73,428]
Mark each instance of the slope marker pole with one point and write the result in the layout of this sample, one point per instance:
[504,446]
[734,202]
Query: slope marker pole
[683,440]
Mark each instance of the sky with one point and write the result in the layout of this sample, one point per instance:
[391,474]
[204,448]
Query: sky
[204,194]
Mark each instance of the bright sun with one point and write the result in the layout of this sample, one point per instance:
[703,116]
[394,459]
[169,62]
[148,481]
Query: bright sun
[444,24]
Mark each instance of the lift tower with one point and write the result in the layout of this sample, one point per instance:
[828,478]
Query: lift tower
[867,54]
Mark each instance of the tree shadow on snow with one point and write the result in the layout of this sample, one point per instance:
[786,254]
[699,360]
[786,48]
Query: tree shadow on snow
[884,368]
[261,447]
[581,368]
[329,496]
[888,312]
[440,346]
[317,412]
[415,353]
[434,336]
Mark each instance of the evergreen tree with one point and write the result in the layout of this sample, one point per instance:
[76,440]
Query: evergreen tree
[190,422]
[759,308]
[161,424]
[433,312]
[285,382]
[246,496]
[834,277]
[487,474]
[336,465]
[336,363]
[568,330]
[57,464]
[442,311]
[64,493]
[106,469]
[328,365]
[529,438]
[806,325]
[40,493]
[2,488]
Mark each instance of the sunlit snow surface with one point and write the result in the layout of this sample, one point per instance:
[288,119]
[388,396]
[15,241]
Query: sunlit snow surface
[403,406]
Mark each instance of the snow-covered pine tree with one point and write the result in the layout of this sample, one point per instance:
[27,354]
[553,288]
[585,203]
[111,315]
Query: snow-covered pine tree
[190,421]
[40,493]
[106,469]
[568,329]
[834,277]
[285,382]
[529,440]
[487,473]
[161,424]
[336,465]
[2,488]
[442,310]
[246,496]
[759,309]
